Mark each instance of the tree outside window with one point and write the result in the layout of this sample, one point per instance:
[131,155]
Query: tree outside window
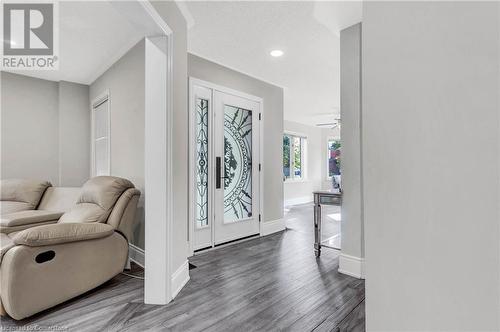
[286,156]
[293,154]
[333,157]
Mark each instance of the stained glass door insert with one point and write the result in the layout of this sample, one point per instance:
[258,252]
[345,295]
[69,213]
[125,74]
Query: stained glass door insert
[237,163]
[236,140]
[201,189]
[201,132]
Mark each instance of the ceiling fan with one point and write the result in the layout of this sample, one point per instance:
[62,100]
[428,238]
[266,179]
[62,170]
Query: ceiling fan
[331,125]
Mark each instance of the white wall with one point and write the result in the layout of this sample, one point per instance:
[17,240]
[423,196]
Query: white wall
[169,11]
[431,165]
[300,191]
[125,82]
[74,134]
[352,237]
[43,130]
[273,125]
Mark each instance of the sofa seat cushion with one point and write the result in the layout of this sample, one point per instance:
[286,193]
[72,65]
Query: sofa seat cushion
[61,233]
[28,217]
[11,206]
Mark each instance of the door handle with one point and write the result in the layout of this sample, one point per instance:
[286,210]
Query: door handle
[217,172]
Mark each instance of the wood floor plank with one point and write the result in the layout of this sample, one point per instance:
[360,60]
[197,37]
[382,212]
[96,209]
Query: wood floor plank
[272,283]
[355,321]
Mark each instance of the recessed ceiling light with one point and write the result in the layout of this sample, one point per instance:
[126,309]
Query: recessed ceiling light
[276,53]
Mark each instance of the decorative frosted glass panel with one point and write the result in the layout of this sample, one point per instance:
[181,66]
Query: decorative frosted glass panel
[237,163]
[101,157]
[202,164]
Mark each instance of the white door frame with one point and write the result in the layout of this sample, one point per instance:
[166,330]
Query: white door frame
[192,150]
[157,151]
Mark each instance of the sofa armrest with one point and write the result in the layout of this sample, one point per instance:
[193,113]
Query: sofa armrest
[28,217]
[62,233]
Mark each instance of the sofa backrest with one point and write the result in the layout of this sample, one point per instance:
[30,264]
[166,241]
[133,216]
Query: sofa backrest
[122,217]
[97,198]
[21,194]
[59,198]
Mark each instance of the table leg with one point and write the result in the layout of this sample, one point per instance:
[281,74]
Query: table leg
[317,228]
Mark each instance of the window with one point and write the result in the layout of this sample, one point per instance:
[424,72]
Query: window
[333,157]
[293,156]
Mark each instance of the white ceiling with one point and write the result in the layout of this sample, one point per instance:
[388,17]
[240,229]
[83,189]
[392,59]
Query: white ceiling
[92,36]
[240,35]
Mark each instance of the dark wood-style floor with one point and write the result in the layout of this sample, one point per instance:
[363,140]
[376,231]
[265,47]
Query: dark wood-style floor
[272,283]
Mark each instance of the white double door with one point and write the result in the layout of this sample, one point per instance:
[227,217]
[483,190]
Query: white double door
[225,164]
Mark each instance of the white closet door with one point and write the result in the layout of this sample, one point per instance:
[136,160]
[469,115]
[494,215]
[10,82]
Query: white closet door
[100,137]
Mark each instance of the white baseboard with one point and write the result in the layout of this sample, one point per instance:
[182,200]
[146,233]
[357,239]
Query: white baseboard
[273,226]
[136,254]
[299,200]
[180,278]
[352,266]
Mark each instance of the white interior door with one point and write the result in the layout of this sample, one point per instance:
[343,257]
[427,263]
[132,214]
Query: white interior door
[225,166]
[236,149]
[100,136]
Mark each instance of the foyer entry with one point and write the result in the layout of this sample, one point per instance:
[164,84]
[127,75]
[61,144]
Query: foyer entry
[225,165]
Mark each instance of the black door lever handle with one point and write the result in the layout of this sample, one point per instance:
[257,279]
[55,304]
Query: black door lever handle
[217,172]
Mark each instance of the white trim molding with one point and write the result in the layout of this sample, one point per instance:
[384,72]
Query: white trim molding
[183,8]
[299,200]
[180,278]
[136,254]
[273,226]
[352,266]
[156,17]
[158,171]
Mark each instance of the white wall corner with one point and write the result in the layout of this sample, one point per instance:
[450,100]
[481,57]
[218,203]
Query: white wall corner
[136,254]
[299,200]
[352,266]
[273,226]
[180,278]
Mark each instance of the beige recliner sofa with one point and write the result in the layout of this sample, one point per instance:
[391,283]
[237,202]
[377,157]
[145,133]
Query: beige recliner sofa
[51,261]
[28,203]
[18,195]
